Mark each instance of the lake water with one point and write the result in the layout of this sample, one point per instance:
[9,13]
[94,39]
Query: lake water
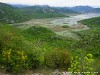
[72,20]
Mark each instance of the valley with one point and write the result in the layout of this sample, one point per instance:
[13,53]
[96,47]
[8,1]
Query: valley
[56,24]
[48,40]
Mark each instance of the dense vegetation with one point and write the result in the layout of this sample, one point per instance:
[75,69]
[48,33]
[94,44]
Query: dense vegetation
[32,48]
[90,39]
[10,14]
[40,48]
[42,12]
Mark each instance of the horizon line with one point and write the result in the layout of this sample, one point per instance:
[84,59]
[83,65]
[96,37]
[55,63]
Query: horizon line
[95,6]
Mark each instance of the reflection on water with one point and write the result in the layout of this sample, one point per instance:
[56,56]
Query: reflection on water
[72,20]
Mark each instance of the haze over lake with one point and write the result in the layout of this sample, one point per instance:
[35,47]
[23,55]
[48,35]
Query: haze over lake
[72,20]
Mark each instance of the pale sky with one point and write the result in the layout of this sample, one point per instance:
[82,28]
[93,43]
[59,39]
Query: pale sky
[95,3]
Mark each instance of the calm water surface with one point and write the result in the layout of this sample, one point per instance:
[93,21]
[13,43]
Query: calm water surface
[72,20]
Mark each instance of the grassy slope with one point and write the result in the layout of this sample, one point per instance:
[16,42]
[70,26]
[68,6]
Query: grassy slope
[91,39]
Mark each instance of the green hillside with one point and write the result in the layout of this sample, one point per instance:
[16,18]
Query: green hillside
[42,12]
[91,40]
[11,14]
[30,49]
[40,48]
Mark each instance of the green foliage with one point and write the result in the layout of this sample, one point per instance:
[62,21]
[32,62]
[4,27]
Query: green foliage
[75,65]
[93,22]
[37,45]
[10,14]
[14,61]
[38,32]
[44,35]
[18,52]
[57,59]
[44,12]
[36,58]
[65,26]
[88,64]
[90,38]
[85,65]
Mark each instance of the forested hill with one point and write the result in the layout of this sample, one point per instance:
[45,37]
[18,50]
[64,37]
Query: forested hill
[44,11]
[85,9]
[91,38]
[10,14]
[47,9]
[13,14]
[92,22]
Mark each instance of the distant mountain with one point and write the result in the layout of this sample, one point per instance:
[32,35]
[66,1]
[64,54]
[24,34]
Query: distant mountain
[42,11]
[20,13]
[95,10]
[13,14]
[65,10]
[19,5]
[39,9]
[81,9]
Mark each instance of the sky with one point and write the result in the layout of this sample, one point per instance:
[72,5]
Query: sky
[60,3]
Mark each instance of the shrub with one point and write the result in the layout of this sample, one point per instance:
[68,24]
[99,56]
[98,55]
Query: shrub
[35,59]
[65,26]
[86,65]
[38,32]
[14,61]
[59,59]
[75,65]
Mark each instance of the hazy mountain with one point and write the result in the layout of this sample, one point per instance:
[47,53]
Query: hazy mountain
[64,10]
[43,11]
[20,13]
[48,9]
[19,5]
[95,10]
[81,9]
[39,9]
[11,14]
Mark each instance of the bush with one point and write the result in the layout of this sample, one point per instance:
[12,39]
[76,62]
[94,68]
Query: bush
[65,26]
[18,53]
[57,59]
[14,61]
[35,59]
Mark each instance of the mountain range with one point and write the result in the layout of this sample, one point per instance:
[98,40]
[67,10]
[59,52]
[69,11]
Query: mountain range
[85,9]
[20,13]
[76,9]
